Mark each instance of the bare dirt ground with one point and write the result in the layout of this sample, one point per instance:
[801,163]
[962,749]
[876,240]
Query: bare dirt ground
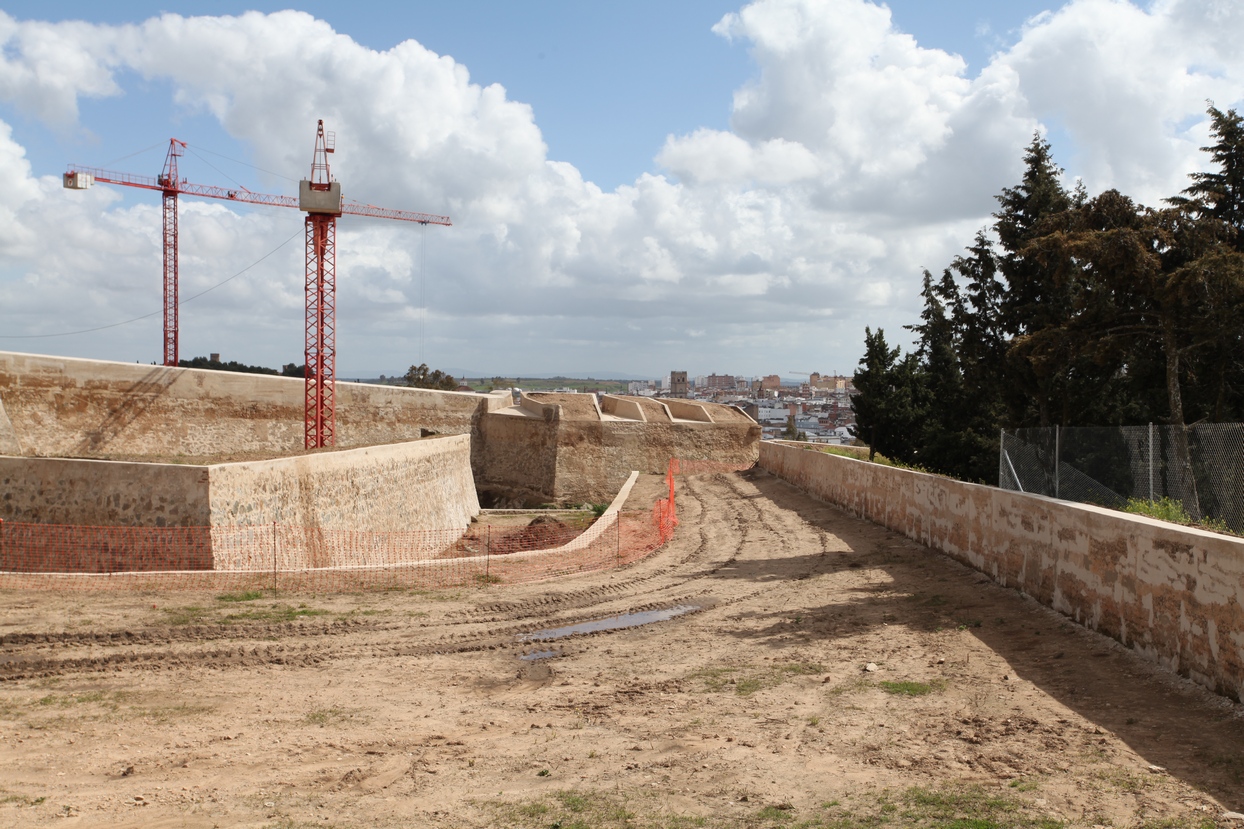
[416,709]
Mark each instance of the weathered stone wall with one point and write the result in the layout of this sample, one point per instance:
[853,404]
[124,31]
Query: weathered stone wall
[332,508]
[103,493]
[594,459]
[563,449]
[64,407]
[419,485]
[515,457]
[1174,594]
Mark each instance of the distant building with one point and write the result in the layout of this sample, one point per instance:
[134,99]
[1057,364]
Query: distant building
[678,384]
[771,382]
[719,381]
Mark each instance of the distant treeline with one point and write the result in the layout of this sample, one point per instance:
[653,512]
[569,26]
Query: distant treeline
[1071,311]
[287,370]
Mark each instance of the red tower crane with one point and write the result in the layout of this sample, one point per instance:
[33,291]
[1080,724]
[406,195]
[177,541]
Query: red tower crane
[320,198]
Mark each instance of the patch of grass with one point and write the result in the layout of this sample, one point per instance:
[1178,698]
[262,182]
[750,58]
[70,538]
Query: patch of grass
[776,814]
[802,668]
[909,688]
[487,578]
[437,595]
[1123,779]
[67,700]
[328,716]
[165,714]
[274,613]
[187,615]
[719,679]
[850,687]
[970,807]
[244,596]
[715,679]
[967,807]
[20,799]
[1024,785]
[1172,510]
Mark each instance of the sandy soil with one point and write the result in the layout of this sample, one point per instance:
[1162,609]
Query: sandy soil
[982,709]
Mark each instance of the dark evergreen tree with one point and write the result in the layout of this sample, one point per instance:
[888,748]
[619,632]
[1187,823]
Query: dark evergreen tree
[887,410]
[1220,194]
[1032,300]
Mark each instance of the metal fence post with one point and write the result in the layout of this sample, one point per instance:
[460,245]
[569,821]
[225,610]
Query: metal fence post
[1151,461]
[274,555]
[487,554]
[1058,438]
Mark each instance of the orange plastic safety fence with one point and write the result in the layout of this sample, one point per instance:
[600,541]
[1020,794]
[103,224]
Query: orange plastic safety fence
[278,556]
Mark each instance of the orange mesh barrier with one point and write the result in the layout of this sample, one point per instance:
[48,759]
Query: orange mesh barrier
[277,556]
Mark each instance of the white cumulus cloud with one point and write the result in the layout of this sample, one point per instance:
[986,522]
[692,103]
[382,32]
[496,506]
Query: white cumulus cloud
[855,157]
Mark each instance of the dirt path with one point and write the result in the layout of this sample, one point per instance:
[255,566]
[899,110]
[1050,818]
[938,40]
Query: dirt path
[756,709]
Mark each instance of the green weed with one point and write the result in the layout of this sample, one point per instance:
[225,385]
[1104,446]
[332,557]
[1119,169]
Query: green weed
[188,615]
[908,688]
[1172,509]
[719,679]
[275,613]
[245,596]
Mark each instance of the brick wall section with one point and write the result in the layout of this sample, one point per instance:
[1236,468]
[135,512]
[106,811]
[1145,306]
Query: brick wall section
[1172,593]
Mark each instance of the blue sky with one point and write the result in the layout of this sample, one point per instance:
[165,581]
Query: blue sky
[725,187]
[608,81]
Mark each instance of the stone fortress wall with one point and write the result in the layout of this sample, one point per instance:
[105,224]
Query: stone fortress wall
[569,449]
[1174,594]
[113,444]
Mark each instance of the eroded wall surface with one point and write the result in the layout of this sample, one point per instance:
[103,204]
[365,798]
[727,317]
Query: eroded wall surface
[594,459]
[103,493]
[358,507]
[346,508]
[65,407]
[419,485]
[108,509]
[562,448]
[1175,594]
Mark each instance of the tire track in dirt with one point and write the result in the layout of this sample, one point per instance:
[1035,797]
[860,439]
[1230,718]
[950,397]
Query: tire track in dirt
[685,572]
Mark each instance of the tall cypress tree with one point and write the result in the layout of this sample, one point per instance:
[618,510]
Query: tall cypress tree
[887,408]
[1221,194]
[1032,300]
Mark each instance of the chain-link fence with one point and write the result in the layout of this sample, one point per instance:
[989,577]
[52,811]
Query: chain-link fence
[1201,466]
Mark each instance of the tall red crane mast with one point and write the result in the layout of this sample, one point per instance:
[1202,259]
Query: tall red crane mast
[320,198]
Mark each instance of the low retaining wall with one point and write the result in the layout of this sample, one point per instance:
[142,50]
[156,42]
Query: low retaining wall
[1174,594]
[402,488]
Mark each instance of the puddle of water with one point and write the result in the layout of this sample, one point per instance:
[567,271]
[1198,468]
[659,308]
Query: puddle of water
[625,620]
[532,657]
